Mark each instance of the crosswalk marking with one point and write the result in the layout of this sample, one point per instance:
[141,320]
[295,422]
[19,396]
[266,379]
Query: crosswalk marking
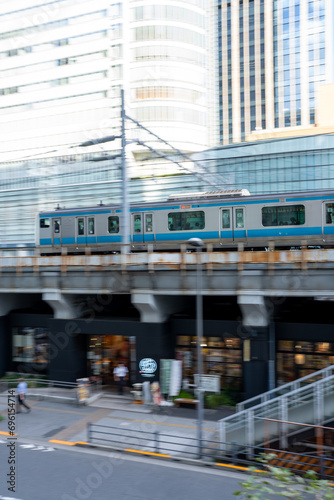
[33,447]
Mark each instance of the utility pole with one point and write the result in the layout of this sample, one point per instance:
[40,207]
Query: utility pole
[125,200]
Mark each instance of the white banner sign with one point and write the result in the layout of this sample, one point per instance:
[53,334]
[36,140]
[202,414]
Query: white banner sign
[176,378]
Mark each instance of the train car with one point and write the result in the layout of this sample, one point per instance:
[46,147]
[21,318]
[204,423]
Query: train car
[222,218]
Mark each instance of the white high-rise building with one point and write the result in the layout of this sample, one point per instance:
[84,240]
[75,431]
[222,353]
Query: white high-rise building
[63,63]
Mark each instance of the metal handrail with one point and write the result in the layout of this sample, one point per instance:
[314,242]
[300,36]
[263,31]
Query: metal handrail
[324,373]
[312,397]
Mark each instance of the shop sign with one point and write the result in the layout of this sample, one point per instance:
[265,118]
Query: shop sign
[147,367]
[210,383]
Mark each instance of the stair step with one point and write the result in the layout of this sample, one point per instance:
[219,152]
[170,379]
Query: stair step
[303,463]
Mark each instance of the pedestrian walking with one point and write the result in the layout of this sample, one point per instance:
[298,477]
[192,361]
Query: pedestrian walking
[120,376]
[21,395]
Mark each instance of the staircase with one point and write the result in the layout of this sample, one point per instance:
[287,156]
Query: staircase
[303,463]
[309,400]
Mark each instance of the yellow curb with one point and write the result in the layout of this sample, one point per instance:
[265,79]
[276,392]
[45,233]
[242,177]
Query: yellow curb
[238,467]
[148,453]
[69,443]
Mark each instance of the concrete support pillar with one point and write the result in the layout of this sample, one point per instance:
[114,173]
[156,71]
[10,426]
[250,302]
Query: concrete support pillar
[254,310]
[61,305]
[155,308]
[255,316]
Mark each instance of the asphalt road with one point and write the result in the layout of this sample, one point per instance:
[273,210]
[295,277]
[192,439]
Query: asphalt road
[69,473]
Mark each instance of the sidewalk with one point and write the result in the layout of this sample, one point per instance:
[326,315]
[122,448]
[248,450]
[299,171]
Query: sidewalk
[64,423]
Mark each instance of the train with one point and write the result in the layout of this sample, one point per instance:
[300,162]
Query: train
[223,219]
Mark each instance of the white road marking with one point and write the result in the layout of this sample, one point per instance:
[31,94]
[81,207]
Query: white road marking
[8,498]
[35,447]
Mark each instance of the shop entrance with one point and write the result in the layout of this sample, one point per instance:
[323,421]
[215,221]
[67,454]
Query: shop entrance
[104,352]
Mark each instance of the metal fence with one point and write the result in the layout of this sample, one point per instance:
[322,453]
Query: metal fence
[238,455]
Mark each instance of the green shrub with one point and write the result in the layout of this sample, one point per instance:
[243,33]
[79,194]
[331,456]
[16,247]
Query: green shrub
[185,395]
[212,401]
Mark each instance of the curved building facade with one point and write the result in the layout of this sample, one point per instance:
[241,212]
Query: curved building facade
[64,62]
[168,76]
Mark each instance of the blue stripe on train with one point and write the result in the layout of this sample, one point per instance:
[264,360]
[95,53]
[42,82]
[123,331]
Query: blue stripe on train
[281,231]
[177,236]
[115,238]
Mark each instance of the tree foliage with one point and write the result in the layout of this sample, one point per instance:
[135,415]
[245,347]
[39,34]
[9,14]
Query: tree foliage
[274,482]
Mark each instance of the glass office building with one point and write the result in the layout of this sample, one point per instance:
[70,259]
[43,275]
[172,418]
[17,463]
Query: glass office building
[272,166]
[273,55]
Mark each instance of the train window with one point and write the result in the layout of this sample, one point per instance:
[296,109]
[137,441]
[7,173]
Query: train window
[292,215]
[44,223]
[239,216]
[56,225]
[329,213]
[91,228]
[148,223]
[226,219]
[137,223]
[81,227]
[186,221]
[113,224]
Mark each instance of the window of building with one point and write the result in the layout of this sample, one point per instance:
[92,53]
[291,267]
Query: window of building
[113,224]
[222,356]
[30,345]
[292,215]
[297,359]
[186,221]
[44,223]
